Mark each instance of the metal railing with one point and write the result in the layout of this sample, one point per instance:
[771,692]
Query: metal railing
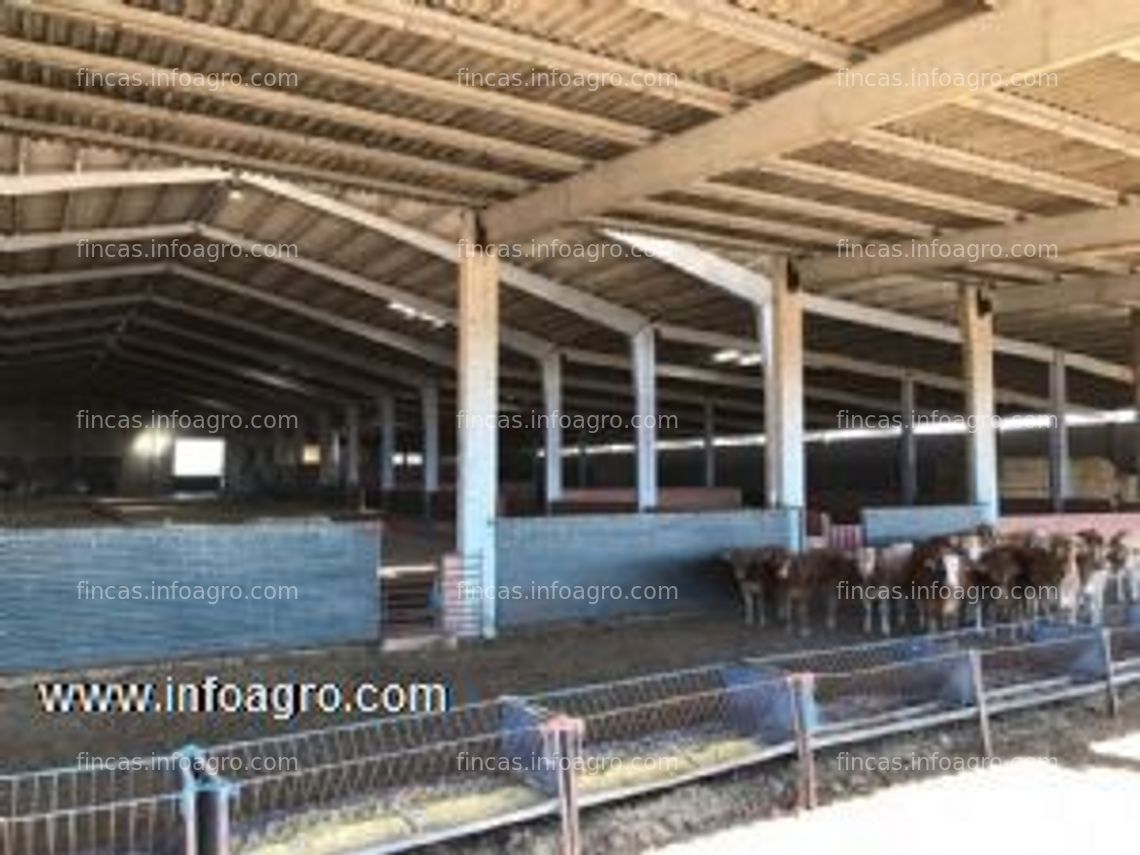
[393,784]
[141,805]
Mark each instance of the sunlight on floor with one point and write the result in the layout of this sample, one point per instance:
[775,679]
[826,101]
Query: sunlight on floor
[1021,807]
[1122,748]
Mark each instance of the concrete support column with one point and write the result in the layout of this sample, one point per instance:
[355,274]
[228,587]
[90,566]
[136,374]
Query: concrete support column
[282,457]
[908,447]
[976,321]
[352,446]
[552,410]
[478,408]
[583,463]
[1135,316]
[326,474]
[709,445]
[297,442]
[387,449]
[1058,435]
[429,401]
[643,346]
[781,330]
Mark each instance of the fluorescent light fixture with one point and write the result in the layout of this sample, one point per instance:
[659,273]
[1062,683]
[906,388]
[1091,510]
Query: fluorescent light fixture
[737,357]
[414,314]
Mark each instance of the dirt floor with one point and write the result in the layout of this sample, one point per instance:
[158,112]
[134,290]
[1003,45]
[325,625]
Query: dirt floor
[521,663]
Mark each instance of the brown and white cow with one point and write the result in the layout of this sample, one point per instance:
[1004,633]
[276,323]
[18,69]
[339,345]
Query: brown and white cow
[883,573]
[1123,558]
[756,572]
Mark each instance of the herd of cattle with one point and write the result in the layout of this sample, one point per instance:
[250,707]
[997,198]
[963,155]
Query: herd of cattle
[944,582]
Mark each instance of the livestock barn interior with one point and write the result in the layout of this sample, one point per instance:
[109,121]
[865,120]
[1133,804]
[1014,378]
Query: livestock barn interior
[492,357]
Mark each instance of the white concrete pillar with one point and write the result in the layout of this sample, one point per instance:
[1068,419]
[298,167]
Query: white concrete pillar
[781,330]
[552,410]
[583,463]
[908,447]
[709,445]
[643,347]
[387,448]
[1058,434]
[976,321]
[478,410]
[1135,318]
[429,400]
[352,446]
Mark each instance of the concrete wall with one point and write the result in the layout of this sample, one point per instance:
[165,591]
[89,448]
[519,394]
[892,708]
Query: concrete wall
[47,622]
[628,550]
[889,525]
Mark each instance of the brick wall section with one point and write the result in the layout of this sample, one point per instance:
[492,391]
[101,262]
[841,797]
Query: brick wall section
[625,550]
[46,624]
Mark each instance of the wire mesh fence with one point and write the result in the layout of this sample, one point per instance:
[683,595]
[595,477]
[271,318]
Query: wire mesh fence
[645,732]
[395,783]
[391,779]
[892,696]
[127,807]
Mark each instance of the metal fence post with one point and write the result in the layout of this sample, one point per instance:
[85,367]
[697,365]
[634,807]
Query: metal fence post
[1112,696]
[980,701]
[211,811]
[801,688]
[188,802]
[564,735]
[214,817]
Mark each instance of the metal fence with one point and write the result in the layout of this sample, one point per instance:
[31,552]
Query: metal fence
[403,778]
[146,805]
[394,784]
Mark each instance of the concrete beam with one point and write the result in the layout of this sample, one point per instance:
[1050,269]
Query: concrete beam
[581,303]
[1018,36]
[1082,291]
[701,264]
[1061,235]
